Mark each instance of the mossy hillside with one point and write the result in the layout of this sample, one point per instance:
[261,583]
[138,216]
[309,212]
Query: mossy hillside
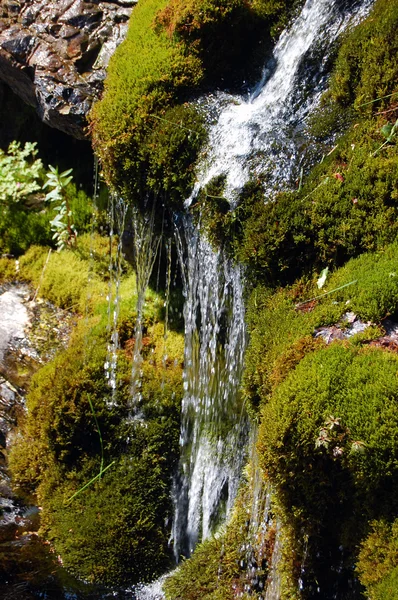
[378,559]
[113,531]
[328,443]
[363,81]
[282,323]
[366,66]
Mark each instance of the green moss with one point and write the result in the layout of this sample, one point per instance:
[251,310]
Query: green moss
[328,443]
[148,76]
[114,531]
[375,295]
[7,270]
[281,325]
[347,206]
[378,559]
[66,281]
[366,66]
[226,36]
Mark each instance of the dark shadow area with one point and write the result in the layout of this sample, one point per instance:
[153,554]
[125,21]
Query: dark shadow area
[21,123]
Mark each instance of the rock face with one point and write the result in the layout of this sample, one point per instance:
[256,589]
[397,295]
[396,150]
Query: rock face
[53,54]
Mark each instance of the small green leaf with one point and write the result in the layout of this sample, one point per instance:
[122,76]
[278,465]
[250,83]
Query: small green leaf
[386,130]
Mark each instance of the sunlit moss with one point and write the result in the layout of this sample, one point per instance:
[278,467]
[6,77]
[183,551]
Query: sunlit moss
[378,560]
[115,530]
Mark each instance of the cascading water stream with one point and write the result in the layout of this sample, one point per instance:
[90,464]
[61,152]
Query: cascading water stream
[263,134]
[257,136]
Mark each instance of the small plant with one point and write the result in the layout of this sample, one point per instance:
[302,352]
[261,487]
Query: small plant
[389,131]
[20,173]
[62,225]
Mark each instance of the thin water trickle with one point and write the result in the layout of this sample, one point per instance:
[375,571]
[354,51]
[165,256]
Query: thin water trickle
[167,302]
[117,218]
[145,250]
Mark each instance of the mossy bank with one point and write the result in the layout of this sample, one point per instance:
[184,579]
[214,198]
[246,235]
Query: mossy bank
[79,436]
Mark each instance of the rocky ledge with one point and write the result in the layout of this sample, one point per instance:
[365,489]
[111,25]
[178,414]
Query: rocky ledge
[53,54]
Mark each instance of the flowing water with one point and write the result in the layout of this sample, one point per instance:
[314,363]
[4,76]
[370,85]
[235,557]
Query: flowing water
[117,218]
[213,429]
[259,135]
[146,247]
[262,134]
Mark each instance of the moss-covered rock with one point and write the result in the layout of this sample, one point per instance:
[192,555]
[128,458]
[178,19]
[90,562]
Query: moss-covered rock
[282,323]
[100,463]
[378,560]
[148,78]
[328,443]
[366,68]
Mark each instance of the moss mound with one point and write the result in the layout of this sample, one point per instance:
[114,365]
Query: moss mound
[378,559]
[148,78]
[366,66]
[282,323]
[108,528]
[328,443]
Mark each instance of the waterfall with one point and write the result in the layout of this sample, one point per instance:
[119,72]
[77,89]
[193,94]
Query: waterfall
[262,134]
[257,135]
[145,249]
[116,216]
[213,428]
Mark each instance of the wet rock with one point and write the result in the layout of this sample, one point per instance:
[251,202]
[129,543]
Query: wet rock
[14,318]
[54,54]
[349,325]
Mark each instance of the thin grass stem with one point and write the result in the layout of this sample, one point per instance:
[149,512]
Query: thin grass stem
[90,482]
[326,293]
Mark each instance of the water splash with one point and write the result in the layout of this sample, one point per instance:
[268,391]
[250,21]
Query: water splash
[262,135]
[213,430]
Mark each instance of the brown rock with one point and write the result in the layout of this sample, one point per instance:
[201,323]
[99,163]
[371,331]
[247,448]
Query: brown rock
[53,54]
